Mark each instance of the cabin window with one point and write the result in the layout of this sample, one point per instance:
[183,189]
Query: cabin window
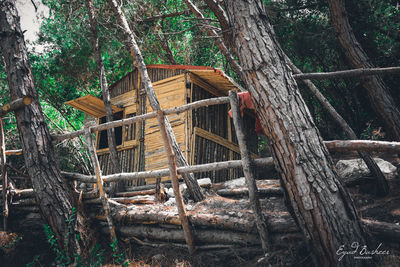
[103,141]
[130,130]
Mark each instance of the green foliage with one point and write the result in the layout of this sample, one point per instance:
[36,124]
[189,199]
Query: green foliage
[118,257]
[12,243]
[34,261]
[305,32]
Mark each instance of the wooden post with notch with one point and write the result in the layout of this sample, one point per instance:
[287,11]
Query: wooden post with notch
[99,182]
[4,175]
[16,104]
[175,182]
[248,171]
[12,106]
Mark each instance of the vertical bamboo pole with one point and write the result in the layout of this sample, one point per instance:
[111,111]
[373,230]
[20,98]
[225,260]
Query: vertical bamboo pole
[4,175]
[175,182]
[99,182]
[248,171]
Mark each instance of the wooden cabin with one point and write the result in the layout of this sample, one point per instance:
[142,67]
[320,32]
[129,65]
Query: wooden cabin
[205,135]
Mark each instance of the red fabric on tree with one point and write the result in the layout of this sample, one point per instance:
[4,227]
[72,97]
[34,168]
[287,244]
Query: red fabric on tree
[246,102]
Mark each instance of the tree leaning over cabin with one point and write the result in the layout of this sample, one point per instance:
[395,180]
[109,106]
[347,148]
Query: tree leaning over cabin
[322,207]
[117,186]
[381,100]
[190,181]
[52,192]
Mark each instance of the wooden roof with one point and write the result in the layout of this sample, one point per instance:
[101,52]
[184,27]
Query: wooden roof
[91,105]
[212,76]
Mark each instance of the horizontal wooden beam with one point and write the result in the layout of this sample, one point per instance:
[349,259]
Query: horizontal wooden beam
[165,172]
[15,105]
[347,73]
[15,152]
[129,121]
[362,145]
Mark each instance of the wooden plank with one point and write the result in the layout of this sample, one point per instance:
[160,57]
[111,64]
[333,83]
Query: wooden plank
[91,105]
[167,80]
[124,99]
[206,86]
[130,109]
[128,145]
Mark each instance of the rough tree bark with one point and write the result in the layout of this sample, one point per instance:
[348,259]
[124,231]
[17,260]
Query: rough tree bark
[323,209]
[379,96]
[118,186]
[52,192]
[190,181]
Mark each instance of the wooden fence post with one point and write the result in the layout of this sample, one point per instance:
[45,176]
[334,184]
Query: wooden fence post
[248,171]
[175,182]
[99,181]
[4,175]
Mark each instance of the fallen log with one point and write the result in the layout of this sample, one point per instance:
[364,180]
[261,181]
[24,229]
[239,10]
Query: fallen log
[24,202]
[240,192]
[202,235]
[136,193]
[22,193]
[147,199]
[383,230]
[215,213]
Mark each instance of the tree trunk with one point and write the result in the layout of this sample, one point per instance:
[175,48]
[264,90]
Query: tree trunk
[379,96]
[190,181]
[117,186]
[323,209]
[52,192]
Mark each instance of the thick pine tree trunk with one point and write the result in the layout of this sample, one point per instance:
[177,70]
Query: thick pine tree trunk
[52,192]
[379,96]
[117,186]
[322,207]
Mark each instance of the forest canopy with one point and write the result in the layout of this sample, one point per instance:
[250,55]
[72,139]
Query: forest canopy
[169,34]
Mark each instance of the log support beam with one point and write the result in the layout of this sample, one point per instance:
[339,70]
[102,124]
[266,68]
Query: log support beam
[15,105]
[175,182]
[249,171]
[99,182]
[4,175]
[347,73]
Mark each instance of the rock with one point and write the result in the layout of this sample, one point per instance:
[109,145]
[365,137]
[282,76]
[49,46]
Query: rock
[82,186]
[182,187]
[356,168]
[204,182]
[234,183]
[170,202]
[158,257]
[170,192]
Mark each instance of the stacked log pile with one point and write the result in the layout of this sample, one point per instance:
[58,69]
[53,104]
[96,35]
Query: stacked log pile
[224,218]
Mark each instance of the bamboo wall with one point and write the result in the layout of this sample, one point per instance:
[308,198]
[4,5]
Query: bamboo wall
[213,119]
[170,93]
